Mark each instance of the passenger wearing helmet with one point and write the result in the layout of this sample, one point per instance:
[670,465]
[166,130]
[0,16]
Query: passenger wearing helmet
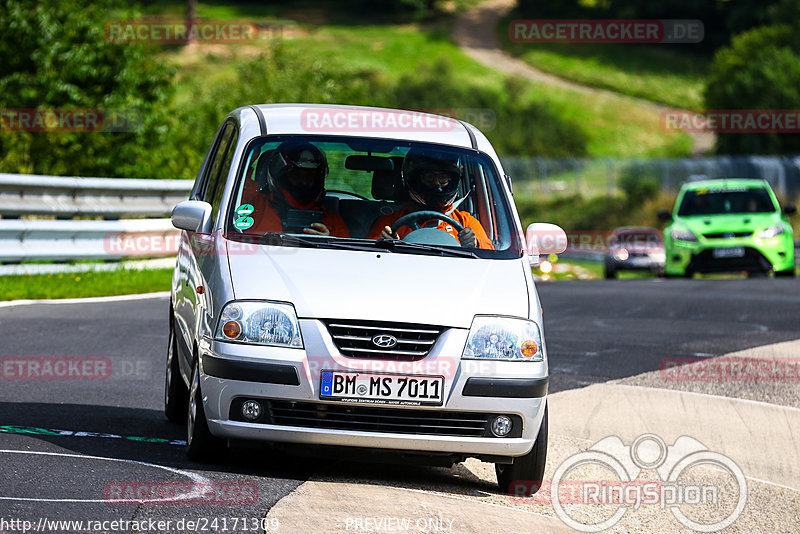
[296,176]
[432,182]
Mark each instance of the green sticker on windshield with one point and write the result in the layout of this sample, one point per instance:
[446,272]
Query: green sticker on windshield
[244,210]
[243,223]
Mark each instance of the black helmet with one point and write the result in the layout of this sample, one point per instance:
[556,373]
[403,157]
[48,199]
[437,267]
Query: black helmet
[293,157]
[419,163]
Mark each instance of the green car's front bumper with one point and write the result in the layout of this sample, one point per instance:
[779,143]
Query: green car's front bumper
[688,257]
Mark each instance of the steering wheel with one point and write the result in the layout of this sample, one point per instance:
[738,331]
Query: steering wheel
[412,219]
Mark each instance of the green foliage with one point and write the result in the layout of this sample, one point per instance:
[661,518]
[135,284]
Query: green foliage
[84,284]
[721,20]
[522,126]
[759,70]
[638,188]
[574,212]
[55,56]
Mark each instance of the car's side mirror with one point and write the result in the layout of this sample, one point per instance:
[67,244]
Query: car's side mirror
[789,209]
[544,238]
[192,216]
[664,215]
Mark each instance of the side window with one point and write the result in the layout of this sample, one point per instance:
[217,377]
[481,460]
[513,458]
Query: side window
[224,169]
[203,191]
[212,179]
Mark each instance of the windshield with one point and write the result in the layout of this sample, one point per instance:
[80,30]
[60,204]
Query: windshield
[365,193]
[714,202]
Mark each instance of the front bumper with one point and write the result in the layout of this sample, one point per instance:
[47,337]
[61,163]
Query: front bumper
[762,255]
[231,372]
[637,263]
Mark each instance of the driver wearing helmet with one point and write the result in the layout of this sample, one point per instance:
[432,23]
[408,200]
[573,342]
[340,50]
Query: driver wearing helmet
[297,171]
[432,183]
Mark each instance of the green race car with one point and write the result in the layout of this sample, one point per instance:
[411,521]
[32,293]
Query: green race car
[728,225]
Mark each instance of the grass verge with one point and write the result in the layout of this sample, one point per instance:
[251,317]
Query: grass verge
[391,56]
[85,284]
[670,76]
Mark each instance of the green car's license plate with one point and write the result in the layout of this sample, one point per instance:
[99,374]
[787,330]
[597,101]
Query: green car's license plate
[730,252]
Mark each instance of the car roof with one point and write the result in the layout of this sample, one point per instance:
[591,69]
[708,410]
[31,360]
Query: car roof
[333,119]
[725,182]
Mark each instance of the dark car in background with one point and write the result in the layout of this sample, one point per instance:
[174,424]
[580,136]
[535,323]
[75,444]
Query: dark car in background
[634,248]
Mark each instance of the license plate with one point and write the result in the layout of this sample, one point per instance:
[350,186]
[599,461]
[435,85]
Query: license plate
[730,252]
[371,388]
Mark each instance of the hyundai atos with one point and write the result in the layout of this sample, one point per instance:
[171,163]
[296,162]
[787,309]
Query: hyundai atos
[358,277]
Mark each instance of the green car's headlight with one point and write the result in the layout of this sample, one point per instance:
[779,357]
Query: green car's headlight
[772,231]
[681,234]
[503,338]
[259,323]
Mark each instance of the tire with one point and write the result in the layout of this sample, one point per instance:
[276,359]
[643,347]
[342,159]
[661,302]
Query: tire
[176,396]
[201,445]
[788,273]
[609,272]
[528,468]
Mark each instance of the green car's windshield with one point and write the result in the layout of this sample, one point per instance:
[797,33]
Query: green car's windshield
[336,190]
[717,202]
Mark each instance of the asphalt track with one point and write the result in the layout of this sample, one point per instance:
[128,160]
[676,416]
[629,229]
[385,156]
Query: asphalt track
[100,433]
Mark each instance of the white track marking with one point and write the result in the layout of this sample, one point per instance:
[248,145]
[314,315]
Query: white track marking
[194,477]
[707,395]
[436,493]
[87,300]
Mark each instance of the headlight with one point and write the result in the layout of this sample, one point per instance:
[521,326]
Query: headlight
[683,235]
[501,338]
[772,231]
[259,323]
[621,254]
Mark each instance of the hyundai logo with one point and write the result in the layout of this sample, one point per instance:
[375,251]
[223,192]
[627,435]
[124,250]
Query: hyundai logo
[384,341]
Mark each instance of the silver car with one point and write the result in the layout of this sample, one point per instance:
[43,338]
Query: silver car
[358,277]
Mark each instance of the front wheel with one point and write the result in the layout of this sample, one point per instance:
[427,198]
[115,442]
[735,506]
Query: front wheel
[175,394]
[609,272]
[201,445]
[524,477]
[788,273]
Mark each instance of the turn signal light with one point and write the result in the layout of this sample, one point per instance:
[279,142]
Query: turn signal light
[232,329]
[529,348]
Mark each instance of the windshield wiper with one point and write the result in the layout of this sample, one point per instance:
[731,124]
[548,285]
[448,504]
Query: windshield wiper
[321,242]
[397,244]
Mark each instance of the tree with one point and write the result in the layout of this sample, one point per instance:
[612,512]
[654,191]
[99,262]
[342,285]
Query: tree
[759,70]
[56,56]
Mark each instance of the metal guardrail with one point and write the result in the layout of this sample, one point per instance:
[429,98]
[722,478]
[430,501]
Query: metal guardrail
[136,224]
[86,240]
[110,198]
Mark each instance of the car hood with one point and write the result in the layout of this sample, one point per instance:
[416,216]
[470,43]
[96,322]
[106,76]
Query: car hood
[381,285]
[734,222]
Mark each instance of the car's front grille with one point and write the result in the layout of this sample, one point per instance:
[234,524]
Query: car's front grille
[373,419]
[705,262]
[374,339]
[727,235]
